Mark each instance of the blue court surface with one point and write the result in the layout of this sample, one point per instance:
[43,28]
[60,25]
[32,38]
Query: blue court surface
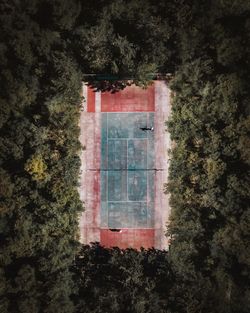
[127,170]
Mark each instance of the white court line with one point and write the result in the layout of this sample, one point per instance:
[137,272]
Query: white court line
[130,138]
[147,167]
[135,201]
[130,112]
[107,142]
[98,101]
[127,170]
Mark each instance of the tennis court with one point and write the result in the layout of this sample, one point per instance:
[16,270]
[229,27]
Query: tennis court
[127,170]
[124,168]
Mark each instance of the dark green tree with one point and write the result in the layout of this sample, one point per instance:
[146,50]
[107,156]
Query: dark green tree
[40,101]
[122,280]
[209,172]
[125,39]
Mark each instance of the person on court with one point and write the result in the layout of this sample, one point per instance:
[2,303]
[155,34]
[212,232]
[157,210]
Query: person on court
[147,128]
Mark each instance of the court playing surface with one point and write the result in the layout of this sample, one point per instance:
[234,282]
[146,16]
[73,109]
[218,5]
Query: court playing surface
[127,170]
[124,168]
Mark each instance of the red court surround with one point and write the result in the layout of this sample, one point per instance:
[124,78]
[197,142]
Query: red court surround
[128,238]
[91,100]
[131,99]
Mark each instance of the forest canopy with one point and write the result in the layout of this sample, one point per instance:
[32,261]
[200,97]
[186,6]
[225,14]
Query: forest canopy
[46,50]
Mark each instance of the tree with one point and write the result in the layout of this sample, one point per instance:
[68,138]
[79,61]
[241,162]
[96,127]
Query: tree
[40,97]
[122,280]
[125,39]
[209,171]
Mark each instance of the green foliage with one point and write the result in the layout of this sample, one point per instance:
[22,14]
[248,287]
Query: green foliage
[126,39]
[36,167]
[114,280]
[209,170]
[39,159]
